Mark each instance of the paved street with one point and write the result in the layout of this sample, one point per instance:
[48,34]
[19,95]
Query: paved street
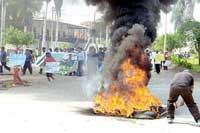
[59,107]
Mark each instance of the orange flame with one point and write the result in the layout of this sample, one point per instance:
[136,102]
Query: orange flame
[127,96]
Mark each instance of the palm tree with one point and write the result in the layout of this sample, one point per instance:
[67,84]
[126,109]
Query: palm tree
[183,10]
[58,6]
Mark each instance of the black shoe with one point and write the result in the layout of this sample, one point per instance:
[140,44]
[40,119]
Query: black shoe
[198,123]
[170,120]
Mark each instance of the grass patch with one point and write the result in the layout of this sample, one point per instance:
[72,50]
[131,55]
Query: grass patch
[191,63]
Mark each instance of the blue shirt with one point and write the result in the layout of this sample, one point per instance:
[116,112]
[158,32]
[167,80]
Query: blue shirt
[3,56]
[28,57]
[81,56]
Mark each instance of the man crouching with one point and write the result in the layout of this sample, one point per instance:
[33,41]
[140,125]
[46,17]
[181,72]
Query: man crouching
[182,85]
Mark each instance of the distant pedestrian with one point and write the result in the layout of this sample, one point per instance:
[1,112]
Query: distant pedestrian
[100,56]
[167,60]
[182,85]
[3,60]
[28,62]
[157,62]
[149,54]
[43,50]
[81,60]
[49,72]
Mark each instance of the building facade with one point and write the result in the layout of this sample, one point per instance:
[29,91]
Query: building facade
[66,32]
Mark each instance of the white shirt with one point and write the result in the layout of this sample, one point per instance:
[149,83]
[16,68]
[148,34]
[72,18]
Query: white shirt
[81,56]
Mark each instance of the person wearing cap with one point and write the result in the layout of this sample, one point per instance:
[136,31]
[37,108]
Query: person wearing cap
[182,85]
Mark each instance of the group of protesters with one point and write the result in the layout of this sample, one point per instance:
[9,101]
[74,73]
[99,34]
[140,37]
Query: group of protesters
[33,54]
[27,64]
[159,60]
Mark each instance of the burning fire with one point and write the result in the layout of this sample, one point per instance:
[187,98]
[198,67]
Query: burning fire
[127,96]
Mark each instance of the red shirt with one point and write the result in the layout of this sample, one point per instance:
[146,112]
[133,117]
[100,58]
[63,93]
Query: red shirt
[49,59]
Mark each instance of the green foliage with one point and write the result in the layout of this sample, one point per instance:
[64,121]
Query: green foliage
[16,37]
[20,13]
[173,41]
[65,45]
[185,63]
[181,61]
[103,43]
[191,30]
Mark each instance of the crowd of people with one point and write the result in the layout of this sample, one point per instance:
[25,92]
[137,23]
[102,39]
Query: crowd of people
[33,54]
[182,84]
[159,60]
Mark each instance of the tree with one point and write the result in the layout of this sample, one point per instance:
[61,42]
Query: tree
[58,6]
[20,12]
[191,30]
[173,41]
[18,38]
[182,11]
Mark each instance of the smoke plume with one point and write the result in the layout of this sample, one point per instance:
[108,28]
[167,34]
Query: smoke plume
[133,29]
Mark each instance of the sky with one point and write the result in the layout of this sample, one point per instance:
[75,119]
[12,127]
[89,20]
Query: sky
[77,12]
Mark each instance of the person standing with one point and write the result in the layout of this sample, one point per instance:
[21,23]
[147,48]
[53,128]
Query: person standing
[28,62]
[100,56]
[3,60]
[182,85]
[167,60]
[157,62]
[49,59]
[81,60]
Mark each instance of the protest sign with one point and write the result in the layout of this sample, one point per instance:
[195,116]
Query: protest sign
[52,67]
[66,63]
[16,60]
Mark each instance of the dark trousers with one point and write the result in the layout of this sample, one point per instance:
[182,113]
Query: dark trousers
[27,65]
[80,68]
[157,67]
[165,67]
[186,94]
[3,64]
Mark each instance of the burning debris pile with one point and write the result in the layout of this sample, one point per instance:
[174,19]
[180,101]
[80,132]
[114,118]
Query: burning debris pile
[127,66]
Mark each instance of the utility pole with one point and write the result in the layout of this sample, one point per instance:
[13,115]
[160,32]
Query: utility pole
[52,27]
[45,27]
[2,22]
[165,39]
[57,29]
[94,25]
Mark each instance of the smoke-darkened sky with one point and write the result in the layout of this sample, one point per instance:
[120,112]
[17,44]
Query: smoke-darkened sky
[79,12]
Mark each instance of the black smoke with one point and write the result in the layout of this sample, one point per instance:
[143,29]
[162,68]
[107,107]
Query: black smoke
[127,16]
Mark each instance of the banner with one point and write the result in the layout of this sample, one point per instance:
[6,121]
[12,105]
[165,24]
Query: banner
[58,56]
[66,63]
[16,59]
[52,67]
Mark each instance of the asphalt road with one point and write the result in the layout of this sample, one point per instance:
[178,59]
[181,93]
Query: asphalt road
[52,106]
